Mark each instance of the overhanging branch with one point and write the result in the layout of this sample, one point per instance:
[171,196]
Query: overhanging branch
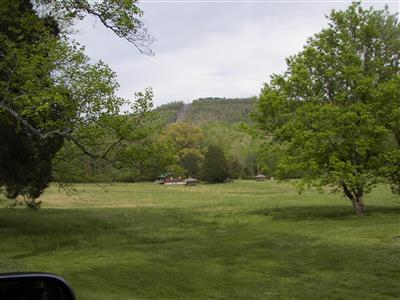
[31,128]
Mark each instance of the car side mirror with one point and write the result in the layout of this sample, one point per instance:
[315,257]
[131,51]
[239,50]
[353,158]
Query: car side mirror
[34,286]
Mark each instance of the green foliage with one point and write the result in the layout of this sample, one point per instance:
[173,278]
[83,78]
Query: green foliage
[185,142]
[191,162]
[239,147]
[115,147]
[51,93]
[388,113]
[322,111]
[209,110]
[146,160]
[182,136]
[219,121]
[25,84]
[220,110]
[214,168]
[391,168]
[167,113]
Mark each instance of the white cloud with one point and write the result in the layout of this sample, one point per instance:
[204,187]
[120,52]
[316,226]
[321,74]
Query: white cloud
[208,50]
[219,64]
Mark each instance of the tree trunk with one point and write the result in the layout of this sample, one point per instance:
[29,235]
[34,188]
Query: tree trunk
[358,205]
[359,202]
[356,198]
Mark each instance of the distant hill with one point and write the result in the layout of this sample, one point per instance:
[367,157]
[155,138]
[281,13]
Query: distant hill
[168,112]
[207,110]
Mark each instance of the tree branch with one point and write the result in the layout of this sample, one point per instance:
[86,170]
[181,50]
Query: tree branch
[113,28]
[84,150]
[346,191]
[104,156]
[31,128]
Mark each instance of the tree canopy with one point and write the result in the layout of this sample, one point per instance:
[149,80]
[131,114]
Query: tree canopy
[214,168]
[51,92]
[333,114]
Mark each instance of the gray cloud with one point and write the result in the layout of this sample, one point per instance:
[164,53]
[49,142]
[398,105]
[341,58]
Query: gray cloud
[209,49]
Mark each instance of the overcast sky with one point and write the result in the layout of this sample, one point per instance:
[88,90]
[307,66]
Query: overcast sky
[210,48]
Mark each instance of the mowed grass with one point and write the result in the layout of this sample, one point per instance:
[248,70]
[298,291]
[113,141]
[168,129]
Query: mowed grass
[245,240]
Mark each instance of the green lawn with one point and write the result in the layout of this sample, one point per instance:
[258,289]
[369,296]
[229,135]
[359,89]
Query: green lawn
[245,240]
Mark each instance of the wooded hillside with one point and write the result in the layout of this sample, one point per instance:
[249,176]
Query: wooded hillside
[207,110]
[176,141]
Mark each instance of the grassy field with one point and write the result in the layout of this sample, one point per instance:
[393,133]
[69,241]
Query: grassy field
[245,240]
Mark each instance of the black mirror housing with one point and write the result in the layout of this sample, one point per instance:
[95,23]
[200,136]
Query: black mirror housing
[34,286]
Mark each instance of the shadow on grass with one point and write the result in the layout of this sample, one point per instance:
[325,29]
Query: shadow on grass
[244,263]
[170,253]
[321,212]
[37,233]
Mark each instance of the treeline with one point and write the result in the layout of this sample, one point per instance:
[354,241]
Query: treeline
[204,110]
[162,145]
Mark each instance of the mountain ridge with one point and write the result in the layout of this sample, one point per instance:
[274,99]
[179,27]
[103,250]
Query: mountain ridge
[206,110]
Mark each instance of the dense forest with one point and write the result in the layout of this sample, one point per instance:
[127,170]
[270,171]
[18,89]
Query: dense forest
[174,139]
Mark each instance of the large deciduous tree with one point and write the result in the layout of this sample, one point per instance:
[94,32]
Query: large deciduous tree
[51,93]
[333,114]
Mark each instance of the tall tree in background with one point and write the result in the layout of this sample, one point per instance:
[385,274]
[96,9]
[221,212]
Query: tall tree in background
[186,140]
[214,168]
[183,136]
[333,113]
[239,147]
[51,93]
[191,162]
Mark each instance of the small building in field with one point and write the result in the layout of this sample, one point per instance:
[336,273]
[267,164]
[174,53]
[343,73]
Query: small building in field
[260,177]
[171,180]
[163,178]
[191,181]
